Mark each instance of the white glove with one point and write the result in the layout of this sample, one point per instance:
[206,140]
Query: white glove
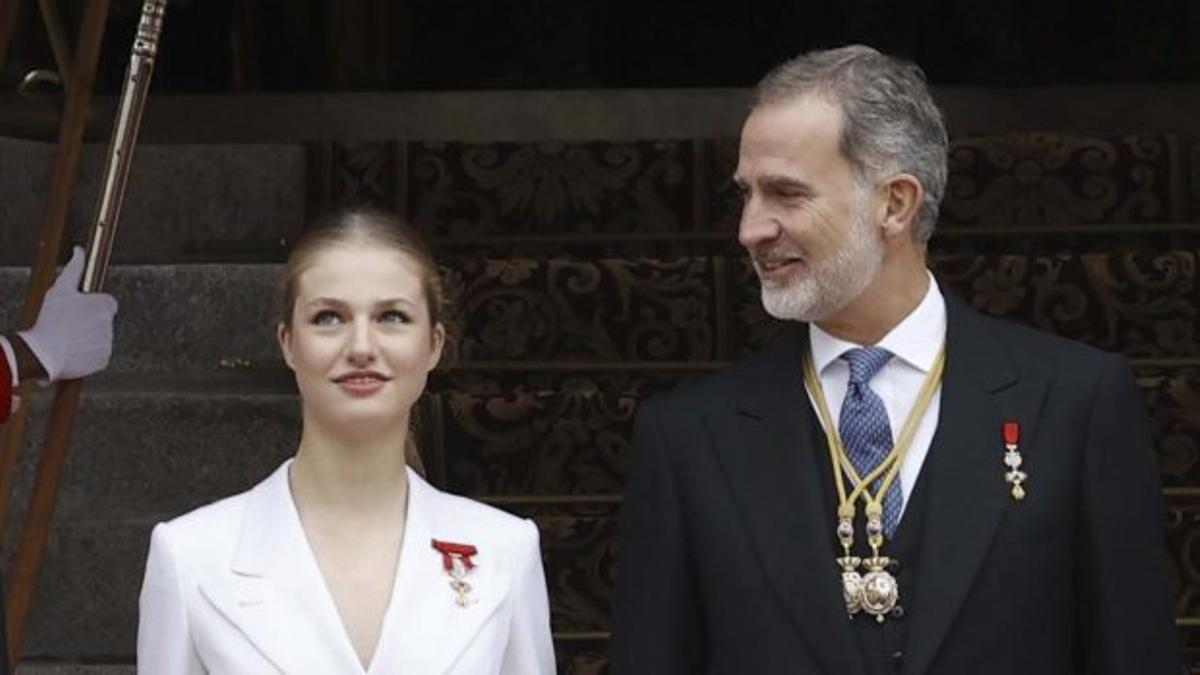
[73,334]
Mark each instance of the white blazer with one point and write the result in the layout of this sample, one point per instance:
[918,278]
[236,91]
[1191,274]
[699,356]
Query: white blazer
[233,587]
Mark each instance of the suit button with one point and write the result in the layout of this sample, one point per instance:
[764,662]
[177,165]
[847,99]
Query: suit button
[898,660]
[894,566]
[896,614]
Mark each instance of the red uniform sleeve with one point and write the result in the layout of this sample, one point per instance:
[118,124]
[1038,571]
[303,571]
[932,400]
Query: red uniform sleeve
[5,388]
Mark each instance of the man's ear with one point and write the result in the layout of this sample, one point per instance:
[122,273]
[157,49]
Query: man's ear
[284,335]
[902,199]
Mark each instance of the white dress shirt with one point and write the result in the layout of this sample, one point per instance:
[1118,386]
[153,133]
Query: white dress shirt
[914,343]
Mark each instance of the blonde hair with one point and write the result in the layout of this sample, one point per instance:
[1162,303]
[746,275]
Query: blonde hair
[387,230]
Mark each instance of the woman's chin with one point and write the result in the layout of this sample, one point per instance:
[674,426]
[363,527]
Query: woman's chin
[363,422]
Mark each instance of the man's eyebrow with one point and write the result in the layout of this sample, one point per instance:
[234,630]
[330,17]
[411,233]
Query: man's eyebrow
[782,181]
[773,180]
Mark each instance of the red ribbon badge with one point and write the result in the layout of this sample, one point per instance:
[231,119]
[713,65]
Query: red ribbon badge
[1012,433]
[451,550]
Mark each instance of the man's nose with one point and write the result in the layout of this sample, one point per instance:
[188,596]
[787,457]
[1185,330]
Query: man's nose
[757,225]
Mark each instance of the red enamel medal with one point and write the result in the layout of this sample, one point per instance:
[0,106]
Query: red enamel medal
[1015,477]
[456,560]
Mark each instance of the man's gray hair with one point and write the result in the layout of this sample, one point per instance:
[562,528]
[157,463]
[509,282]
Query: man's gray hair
[889,121]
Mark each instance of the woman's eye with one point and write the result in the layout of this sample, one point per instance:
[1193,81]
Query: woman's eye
[393,316]
[326,317]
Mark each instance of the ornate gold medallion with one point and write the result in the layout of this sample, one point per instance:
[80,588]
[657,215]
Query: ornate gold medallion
[852,584]
[880,591]
[876,592]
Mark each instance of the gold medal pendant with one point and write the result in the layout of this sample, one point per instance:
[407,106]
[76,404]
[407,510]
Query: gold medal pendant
[852,581]
[880,590]
[852,584]
[876,592]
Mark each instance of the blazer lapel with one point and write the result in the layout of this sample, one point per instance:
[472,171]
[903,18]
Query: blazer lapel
[768,451]
[968,495]
[275,594]
[426,630]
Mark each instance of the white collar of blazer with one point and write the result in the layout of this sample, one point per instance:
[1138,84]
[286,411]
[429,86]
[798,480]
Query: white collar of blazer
[276,596]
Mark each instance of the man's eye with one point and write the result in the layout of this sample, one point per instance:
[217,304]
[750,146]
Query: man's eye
[326,317]
[393,316]
[791,194]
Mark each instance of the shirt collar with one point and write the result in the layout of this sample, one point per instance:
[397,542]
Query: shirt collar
[916,340]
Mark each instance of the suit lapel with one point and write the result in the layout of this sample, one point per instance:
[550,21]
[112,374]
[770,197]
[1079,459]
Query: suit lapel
[964,469]
[767,450]
[426,630]
[275,594]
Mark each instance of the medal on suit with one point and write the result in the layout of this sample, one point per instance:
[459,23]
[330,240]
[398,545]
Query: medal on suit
[1012,459]
[456,560]
[877,592]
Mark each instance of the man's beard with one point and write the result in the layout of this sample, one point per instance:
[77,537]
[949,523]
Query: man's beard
[829,284]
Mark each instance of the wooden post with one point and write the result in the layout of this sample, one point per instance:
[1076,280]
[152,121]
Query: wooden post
[36,530]
[62,182]
[65,169]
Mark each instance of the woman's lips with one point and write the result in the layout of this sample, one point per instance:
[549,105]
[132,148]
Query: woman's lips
[361,384]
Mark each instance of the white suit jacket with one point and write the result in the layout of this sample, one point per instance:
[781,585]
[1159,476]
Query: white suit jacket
[233,587]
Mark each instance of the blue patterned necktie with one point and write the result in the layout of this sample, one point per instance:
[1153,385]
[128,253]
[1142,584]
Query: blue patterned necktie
[864,428]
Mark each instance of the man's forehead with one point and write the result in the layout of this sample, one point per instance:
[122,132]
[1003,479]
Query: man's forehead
[810,115]
[778,135]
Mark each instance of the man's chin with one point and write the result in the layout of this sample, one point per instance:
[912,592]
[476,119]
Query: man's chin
[787,304]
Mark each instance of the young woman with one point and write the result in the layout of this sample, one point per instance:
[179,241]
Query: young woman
[345,560]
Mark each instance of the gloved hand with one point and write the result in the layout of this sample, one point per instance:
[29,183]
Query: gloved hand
[73,334]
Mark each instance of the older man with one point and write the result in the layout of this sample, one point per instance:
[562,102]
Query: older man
[898,484]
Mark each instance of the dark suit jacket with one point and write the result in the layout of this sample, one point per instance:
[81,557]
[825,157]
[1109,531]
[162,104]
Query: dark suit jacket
[726,560]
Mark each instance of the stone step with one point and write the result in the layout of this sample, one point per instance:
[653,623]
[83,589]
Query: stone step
[205,318]
[181,318]
[184,202]
[139,452]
